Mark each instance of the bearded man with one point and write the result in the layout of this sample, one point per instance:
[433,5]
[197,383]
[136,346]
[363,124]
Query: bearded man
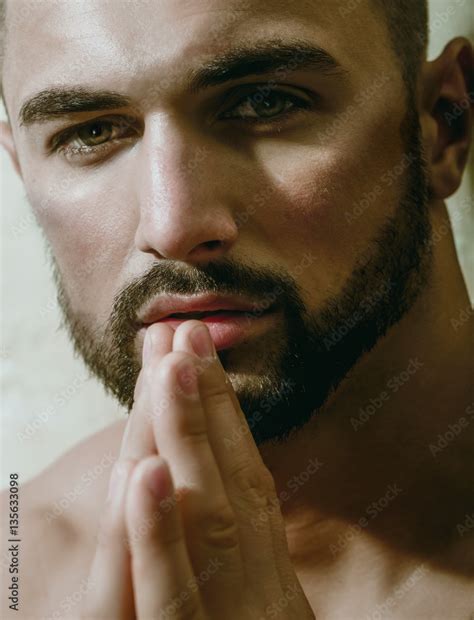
[240,201]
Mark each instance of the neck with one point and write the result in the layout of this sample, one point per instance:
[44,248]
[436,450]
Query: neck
[372,466]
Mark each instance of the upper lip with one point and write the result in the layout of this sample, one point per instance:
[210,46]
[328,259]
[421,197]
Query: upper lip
[162,307]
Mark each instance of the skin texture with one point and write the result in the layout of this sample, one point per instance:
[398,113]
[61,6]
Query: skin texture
[201,526]
[171,193]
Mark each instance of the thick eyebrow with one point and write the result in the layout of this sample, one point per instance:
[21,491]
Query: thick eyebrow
[274,56]
[51,103]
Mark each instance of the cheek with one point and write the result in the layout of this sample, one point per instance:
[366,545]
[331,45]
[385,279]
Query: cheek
[89,232]
[327,210]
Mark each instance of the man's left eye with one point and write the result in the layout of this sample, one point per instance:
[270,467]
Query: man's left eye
[266,106]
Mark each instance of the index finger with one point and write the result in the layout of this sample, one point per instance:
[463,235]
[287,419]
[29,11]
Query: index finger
[248,481]
[233,428]
[138,439]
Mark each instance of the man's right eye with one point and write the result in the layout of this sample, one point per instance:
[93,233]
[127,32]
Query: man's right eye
[95,133]
[91,138]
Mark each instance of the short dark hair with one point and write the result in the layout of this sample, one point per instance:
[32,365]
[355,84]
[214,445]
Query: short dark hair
[407,22]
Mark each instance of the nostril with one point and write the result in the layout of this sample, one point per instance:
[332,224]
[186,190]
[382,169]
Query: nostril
[211,245]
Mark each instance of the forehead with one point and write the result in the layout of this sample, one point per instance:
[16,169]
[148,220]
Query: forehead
[130,44]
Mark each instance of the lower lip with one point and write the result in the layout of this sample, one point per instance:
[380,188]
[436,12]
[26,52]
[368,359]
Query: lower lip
[229,329]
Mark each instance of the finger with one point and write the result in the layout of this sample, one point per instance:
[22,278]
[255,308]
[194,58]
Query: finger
[138,440]
[163,580]
[181,435]
[110,594]
[248,482]
[187,339]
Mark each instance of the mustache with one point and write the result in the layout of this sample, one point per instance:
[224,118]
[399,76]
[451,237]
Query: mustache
[224,277]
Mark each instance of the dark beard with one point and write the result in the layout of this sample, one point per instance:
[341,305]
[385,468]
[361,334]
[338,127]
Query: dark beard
[316,351]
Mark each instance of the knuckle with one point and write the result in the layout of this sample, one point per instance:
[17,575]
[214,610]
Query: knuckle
[191,428]
[254,484]
[216,400]
[218,528]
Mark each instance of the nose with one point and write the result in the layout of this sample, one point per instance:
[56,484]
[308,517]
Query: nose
[183,193]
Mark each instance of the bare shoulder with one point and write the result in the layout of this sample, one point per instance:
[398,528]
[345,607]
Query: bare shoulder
[54,517]
[73,486]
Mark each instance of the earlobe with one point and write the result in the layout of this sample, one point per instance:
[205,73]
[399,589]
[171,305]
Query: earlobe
[447,113]
[6,141]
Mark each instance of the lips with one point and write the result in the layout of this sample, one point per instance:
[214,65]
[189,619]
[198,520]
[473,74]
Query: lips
[199,315]
[196,306]
[230,320]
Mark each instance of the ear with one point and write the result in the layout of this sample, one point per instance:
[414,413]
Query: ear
[447,104]
[6,140]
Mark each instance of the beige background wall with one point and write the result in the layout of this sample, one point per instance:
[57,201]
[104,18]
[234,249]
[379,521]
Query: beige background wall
[48,404]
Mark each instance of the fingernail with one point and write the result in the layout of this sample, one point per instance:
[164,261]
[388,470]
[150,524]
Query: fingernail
[187,377]
[202,343]
[158,479]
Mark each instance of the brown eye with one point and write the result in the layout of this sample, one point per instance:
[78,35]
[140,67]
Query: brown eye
[95,133]
[266,107]
[269,106]
[95,140]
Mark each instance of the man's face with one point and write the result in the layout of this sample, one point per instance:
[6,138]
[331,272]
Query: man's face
[299,184]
